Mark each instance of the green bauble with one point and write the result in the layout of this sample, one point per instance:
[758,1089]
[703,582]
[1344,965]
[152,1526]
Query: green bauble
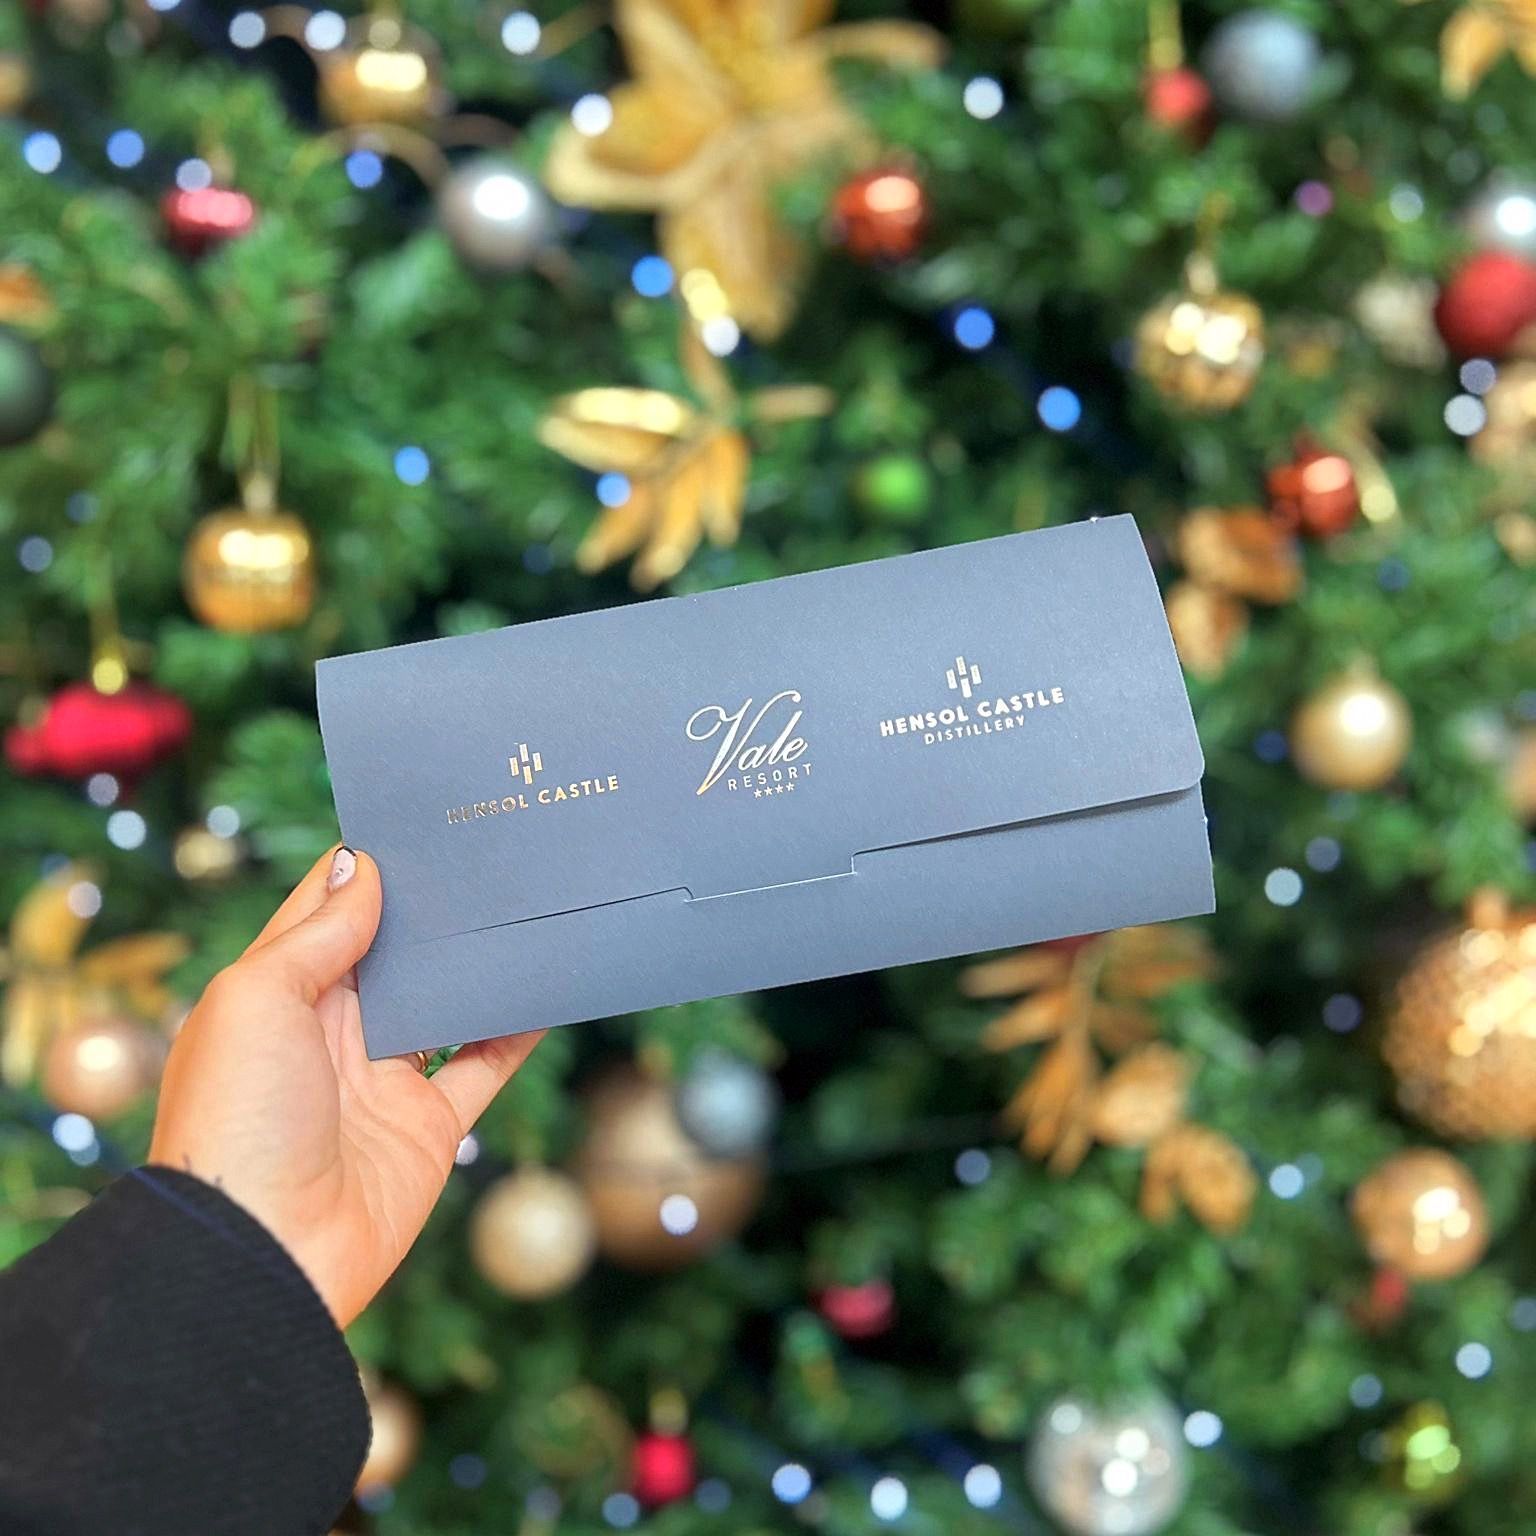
[896,487]
[26,388]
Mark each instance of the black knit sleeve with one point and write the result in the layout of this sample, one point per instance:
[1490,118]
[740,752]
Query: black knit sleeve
[167,1370]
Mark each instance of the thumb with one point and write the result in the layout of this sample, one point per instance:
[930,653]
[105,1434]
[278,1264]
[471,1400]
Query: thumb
[316,952]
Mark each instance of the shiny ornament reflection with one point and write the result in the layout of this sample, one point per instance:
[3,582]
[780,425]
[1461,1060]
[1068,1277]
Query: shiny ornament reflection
[494,214]
[246,571]
[1421,1212]
[1112,1471]
[1353,733]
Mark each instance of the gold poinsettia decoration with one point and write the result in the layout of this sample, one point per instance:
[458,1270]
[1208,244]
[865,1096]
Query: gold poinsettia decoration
[1479,35]
[687,463]
[49,987]
[729,98]
[1089,1002]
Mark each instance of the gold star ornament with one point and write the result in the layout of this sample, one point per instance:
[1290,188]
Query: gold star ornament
[729,98]
[1479,35]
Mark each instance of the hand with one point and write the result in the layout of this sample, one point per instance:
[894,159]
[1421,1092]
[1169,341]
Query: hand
[269,1095]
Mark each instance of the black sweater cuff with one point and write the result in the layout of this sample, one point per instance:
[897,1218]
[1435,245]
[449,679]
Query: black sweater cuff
[168,1370]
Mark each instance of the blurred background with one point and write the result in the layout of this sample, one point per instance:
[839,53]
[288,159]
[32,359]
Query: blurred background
[320,332]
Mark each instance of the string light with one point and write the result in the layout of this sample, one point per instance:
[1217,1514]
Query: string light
[1465,415]
[468,1150]
[35,554]
[1478,375]
[713,1495]
[983,97]
[1202,1428]
[888,1499]
[247,29]
[1314,198]
[194,175]
[592,114]
[125,148]
[126,830]
[73,1133]
[791,1483]
[621,1510]
[1323,854]
[720,335]
[365,169]
[412,466]
[101,789]
[974,328]
[1474,1360]
[652,277]
[325,30]
[973,1166]
[520,32]
[1365,1391]
[1286,1181]
[1283,887]
[1059,408]
[983,1486]
[83,898]
[1405,204]
[1342,1013]
[42,152]
[679,1215]
[613,489]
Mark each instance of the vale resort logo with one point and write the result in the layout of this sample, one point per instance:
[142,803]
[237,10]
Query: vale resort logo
[525,765]
[758,749]
[977,712]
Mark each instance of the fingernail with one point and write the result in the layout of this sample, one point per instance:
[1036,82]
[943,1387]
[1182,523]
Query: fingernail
[343,867]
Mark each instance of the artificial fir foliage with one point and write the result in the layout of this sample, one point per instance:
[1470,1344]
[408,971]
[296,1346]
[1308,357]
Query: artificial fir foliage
[875,1302]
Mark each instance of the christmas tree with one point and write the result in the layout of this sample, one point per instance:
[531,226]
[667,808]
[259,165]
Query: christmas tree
[321,333]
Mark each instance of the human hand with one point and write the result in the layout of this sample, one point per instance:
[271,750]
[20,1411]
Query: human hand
[268,1094]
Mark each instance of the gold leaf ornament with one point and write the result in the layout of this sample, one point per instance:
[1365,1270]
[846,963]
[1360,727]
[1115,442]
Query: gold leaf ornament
[687,465]
[1479,34]
[49,988]
[728,99]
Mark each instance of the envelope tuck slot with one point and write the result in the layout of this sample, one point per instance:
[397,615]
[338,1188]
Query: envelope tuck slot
[980,745]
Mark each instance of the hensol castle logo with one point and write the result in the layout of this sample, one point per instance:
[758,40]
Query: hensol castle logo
[525,766]
[975,711]
[758,750]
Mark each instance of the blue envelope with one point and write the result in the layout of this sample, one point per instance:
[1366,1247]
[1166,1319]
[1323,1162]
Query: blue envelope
[977,746]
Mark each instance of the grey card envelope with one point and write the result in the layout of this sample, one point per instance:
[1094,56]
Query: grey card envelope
[977,746]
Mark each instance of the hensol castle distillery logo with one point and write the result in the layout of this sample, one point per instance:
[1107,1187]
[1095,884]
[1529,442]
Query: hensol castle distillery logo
[526,767]
[974,710]
[758,747]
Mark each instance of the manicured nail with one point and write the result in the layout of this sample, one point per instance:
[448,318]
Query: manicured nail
[343,867]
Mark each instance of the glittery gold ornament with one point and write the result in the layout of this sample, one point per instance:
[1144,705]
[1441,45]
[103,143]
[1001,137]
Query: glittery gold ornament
[1421,1212]
[15,81]
[1422,1457]
[726,103]
[1479,35]
[1460,1036]
[395,1438]
[381,74]
[531,1234]
[246,570]
[658,1200]
[1201,348]
[1353,733]
[579,1433]
[102,1067]
[1398,313]
[1242,551]
[1509,438]
[204,857]
[1207,626]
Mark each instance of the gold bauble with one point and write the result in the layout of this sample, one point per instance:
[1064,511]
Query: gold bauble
[1353,733]
[578,1434]
[1460,1037]
[204,857]
[1422,1214]
[1202,351]
[395,1437]
[1207,626]
[249,571]
[658,1200]
[381,74]
[101,1068]
[1422,1458]
[531,1234]
[1509,438]
[15,81]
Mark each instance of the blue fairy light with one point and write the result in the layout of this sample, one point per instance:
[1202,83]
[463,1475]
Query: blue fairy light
[613,489]
[1059,408]
[125,148]
[412,466]
[364,169]
[652,277]
[974,328]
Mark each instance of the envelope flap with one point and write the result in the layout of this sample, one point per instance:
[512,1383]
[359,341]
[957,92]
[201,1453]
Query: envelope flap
[759,736]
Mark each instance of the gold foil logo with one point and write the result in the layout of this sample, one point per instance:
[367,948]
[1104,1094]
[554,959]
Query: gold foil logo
[976,714]
[524,765]
[758,751]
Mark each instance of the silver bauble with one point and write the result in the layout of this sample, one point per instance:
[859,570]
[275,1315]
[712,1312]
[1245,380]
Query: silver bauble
[496,215]
[1262,66]
[727,1105]
[1502,217]
[1118,1470]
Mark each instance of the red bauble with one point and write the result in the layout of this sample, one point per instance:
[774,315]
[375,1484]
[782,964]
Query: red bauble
[1487,302]
[1179,99]
[199,220]
[859,1311]
[82,731]
[662,1469]
[881,215]
[1315,493]
[1383,1305]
